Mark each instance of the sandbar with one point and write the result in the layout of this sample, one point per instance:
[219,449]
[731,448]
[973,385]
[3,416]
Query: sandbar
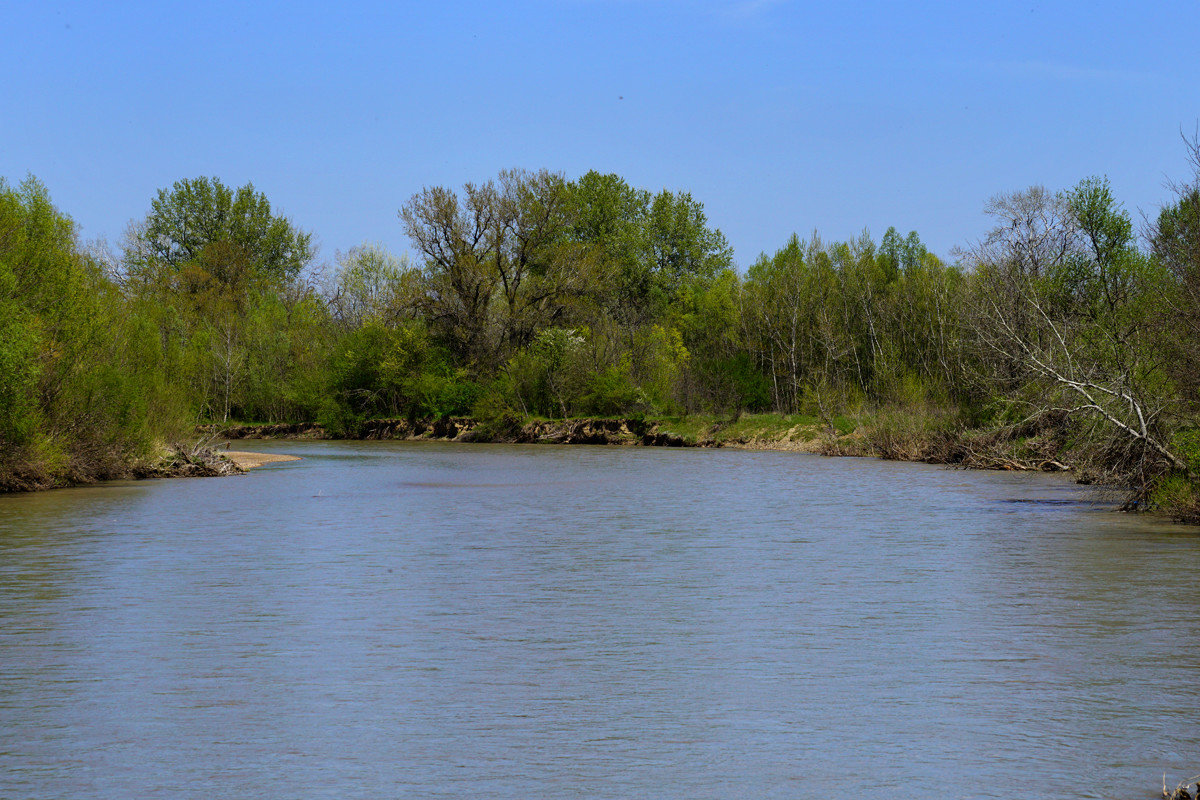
[251,460]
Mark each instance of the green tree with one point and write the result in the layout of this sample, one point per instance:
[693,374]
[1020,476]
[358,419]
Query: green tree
[80,394]
[1175,246]
[1064,299]
[19,345]
[609,216]
[196,214]
[371,284]
[648,245]
[681,243]
[499,263]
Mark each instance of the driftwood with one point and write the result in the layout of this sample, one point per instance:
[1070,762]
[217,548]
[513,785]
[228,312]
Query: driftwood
[1182,790]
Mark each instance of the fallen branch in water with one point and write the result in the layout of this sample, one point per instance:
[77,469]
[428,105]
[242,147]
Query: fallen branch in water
[1181,790]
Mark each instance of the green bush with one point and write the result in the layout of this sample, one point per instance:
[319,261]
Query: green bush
[83,386]
[335,418]
[442,392]
[610,393]
[496,418]
[1178,496]
[1186,444]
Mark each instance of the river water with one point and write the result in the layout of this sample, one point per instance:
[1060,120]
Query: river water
[474,621]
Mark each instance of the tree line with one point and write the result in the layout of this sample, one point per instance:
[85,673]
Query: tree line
[534,295]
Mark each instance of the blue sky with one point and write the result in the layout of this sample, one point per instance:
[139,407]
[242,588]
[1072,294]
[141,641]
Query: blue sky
[779,116]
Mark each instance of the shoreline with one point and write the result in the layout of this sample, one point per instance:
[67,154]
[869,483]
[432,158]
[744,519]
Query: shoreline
[173,461]
[620,432]
[796,434]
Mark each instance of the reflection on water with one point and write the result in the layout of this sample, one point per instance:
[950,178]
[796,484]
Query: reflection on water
[390,620]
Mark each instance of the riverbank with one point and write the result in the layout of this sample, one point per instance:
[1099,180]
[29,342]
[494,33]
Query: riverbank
[765,432]
[891,437]
[165,461]
[1039,445]
[1042,444]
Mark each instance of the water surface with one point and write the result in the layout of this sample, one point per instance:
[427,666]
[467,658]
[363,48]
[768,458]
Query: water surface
[468,621]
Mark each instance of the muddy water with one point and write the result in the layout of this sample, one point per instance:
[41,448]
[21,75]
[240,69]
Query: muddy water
[450,621]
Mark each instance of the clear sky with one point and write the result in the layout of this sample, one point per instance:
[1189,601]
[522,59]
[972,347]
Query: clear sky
[779,116]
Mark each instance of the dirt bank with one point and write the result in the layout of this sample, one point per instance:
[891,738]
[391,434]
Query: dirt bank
[597,431]
[466,429]
[167,461]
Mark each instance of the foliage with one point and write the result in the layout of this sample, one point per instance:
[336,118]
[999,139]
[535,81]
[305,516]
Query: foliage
[533,295]
[372,285]
[238,227]
[20,342]
[647,245]
[81,388]
[499,265]
[1175,249]
[379,371]
[611,393]
[496,418]
[548,376]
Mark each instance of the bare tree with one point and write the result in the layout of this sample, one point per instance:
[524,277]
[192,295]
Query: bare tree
[371,284]
[1041,309]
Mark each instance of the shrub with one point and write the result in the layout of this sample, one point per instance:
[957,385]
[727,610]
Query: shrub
[496,418]
[1178,496]
[611,393]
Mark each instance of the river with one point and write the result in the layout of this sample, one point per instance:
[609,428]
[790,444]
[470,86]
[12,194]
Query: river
[478,621]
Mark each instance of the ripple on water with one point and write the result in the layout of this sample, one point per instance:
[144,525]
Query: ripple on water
[386,619]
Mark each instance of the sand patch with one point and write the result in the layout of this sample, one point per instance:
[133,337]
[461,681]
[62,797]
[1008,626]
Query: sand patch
[252,460]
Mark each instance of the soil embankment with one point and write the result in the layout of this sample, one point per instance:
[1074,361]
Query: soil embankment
[596,431]
[167,461]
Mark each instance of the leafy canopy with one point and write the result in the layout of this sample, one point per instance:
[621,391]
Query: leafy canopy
[197,214]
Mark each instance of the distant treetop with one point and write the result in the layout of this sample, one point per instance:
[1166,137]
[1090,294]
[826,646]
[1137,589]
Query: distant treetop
[197,214]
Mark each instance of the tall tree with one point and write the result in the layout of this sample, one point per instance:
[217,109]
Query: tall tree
[1175,245]
[609,217]
[1062,299]
[79,390]
[199,213]
[216,262]
[500,265]
[681,243]
[372,285]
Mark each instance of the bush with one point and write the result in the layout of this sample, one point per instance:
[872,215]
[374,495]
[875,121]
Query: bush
[496,419]
[549,376]
[335,417]
[910,434]
[610,393]
[442,393]
[1186,444]
[1178,496]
